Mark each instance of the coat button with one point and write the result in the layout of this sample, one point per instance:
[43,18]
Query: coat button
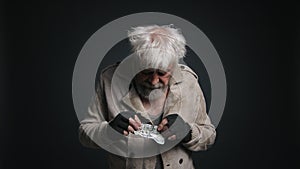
[182,67]
[180,161]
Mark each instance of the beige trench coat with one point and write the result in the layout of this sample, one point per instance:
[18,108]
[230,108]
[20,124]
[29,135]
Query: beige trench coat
[185,98]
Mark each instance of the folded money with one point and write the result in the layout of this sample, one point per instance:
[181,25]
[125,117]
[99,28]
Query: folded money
[150,131]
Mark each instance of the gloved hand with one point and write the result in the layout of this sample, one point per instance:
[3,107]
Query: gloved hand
[174,127]
[127,121]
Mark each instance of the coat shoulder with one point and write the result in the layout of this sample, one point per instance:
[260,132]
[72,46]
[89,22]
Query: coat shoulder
[185,70]
[110,69]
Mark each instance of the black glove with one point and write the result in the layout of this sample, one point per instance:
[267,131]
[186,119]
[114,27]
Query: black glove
[177,126]
[121,121]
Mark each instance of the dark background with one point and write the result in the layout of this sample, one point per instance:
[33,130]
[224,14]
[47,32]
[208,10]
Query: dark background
[258,43]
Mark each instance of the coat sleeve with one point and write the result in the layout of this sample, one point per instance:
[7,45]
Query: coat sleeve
[93,127]
[203,131]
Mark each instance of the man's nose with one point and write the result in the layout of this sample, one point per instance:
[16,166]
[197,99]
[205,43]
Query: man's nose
[154,79]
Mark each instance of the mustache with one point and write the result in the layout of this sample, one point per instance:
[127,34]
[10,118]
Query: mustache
[150,86]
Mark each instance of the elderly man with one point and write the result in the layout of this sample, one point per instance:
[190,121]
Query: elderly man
[149,88]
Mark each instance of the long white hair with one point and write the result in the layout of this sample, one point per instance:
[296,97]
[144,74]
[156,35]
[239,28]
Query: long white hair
[157,46]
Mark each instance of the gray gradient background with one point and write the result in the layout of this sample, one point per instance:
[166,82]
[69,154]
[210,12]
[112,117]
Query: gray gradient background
[258,43]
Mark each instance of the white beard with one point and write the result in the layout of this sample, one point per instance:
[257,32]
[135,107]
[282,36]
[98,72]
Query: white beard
[149,93]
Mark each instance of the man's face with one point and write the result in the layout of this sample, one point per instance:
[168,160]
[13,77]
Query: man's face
[150,80]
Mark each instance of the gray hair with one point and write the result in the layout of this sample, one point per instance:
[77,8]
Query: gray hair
[157,46]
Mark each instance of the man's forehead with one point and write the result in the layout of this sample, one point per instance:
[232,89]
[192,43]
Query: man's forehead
[170,68]
[159,69]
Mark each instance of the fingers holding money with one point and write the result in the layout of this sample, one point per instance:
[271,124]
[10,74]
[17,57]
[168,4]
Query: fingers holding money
[126,122]
[134,124]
